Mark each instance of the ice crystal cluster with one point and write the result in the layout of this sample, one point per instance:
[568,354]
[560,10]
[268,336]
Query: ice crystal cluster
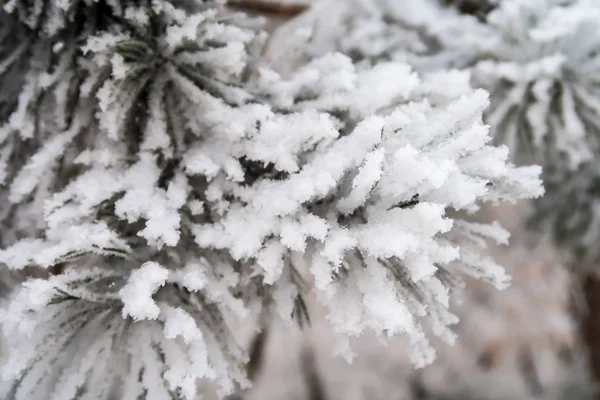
[158,183]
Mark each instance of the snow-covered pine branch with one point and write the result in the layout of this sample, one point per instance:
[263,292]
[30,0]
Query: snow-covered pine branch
[540,62]
[163,190]
[538,59]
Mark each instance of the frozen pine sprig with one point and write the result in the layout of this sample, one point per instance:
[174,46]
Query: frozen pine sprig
[67,17]
[163,184]
[369,211]
[103,82]
[74,342]
[542,79]
[94,132]
[540,62]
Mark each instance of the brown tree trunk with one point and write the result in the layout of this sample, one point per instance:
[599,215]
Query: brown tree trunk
[256,359]
[590,326]
[268,8]
[312,378]
[257,354]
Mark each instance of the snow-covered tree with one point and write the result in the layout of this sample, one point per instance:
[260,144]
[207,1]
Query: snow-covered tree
[163,182]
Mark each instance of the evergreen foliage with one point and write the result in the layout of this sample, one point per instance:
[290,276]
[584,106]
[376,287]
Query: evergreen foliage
[163,181]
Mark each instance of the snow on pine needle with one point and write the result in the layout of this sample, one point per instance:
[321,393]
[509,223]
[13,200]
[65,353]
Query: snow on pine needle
[163,183]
